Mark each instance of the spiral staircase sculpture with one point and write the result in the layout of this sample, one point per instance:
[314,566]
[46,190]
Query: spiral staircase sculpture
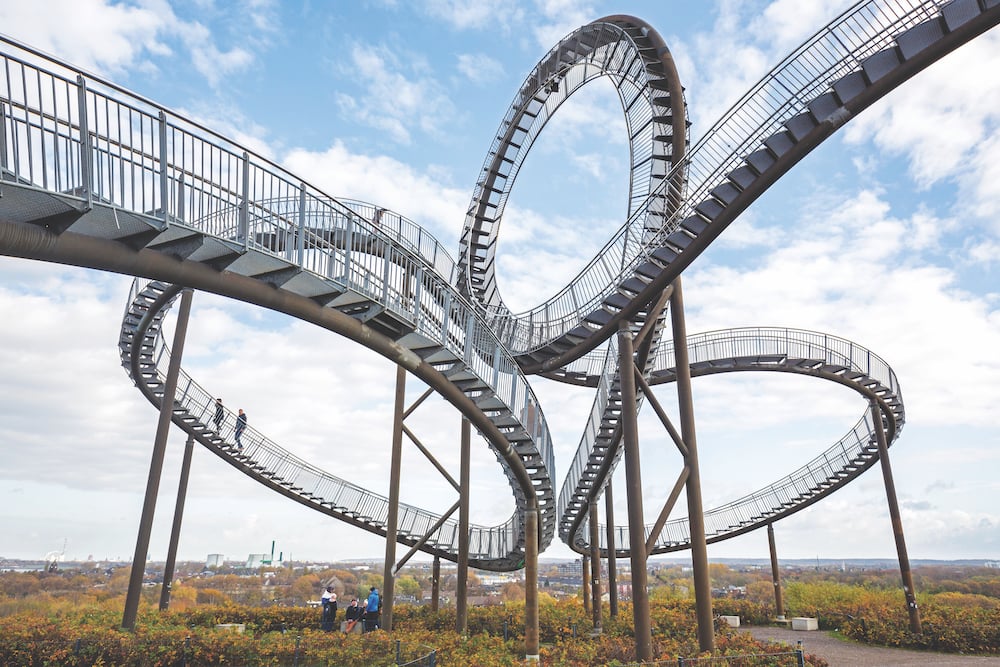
[95,176]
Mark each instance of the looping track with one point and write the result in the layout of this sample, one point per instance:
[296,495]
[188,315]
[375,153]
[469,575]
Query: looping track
[95,176]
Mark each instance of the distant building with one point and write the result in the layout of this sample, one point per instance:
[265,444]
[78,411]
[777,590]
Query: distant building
[215,560]
[256,560]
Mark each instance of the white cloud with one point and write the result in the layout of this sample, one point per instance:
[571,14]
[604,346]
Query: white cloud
[95,35]
[211,62]
[389,183]
[471,14]
[945,123]
[480,68]
[399,95]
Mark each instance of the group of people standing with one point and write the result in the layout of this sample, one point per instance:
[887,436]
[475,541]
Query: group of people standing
[366,612]
[241,423]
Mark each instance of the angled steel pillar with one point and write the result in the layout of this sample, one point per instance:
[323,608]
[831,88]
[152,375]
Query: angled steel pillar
[156,465]
[175,531]
[609,521]
[584,578]
[696,516]
[779,605]
[595,568]
[462,586]
[392,518]
[633,492]
[435,583]
[897,523]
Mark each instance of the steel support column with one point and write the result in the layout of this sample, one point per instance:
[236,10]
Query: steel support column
[595,567]
[462,585]
[156,465]
[897,523]
[435,584]
[633,493]
[531,585]
[609,522]
[779,605]
[175,531]
[392,518]
[696,516]
[584,578]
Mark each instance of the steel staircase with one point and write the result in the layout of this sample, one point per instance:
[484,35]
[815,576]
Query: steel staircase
[782,350]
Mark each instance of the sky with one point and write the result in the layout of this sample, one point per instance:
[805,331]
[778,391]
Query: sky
[886,235]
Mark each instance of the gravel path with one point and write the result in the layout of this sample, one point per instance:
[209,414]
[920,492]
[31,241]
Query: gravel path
[842,653]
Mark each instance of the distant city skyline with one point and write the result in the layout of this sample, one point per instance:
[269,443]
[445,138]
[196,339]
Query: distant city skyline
[887,235]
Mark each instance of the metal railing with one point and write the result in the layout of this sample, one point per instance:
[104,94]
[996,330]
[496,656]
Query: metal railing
[100,145]
[760,348]
[836,50]
[305,479]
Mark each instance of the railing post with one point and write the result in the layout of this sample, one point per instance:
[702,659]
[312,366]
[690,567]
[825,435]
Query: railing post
[295,657]
[800,656]
[348,242]
[243,234]
[164,179]
[3,136]
[86,150]
[419,280]
[300,245]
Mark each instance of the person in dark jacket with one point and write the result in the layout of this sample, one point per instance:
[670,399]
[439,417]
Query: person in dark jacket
[329,617]
[219,414]
[241,423]
[352,615]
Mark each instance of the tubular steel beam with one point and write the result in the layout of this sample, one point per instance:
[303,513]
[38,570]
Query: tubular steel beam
[595,568]
[426,536]
[430,457]
[897,523]
[416,403]
[658,409]
[779,605]
[462,586]
[696,512]
[668,507]
[531,586]
[24,240]
[175,531]
[392,518]
[584,578]
[156,465]
[435,583]
[609,524]
[633,492]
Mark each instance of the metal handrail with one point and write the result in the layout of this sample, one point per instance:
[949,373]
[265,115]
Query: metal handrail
[324,488]
[96,144]
[759,348]
[837,49]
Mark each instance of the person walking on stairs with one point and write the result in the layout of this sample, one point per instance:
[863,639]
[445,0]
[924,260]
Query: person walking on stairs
[241,423]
